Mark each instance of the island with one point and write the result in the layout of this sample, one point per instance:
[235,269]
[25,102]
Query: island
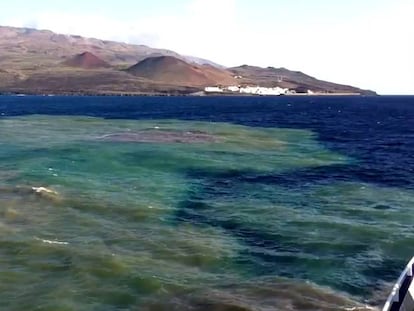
[42,62]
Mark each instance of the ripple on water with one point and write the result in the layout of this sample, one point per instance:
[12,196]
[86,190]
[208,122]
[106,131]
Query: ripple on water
[156,223]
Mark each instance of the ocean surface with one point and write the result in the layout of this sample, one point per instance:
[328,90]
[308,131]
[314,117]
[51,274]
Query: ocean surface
[204,203]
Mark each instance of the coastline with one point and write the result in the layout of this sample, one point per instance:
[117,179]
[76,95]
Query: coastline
[173,94]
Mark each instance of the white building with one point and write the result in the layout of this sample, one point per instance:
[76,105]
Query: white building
[258,90]
[213,89]
[233,88]
[254,90]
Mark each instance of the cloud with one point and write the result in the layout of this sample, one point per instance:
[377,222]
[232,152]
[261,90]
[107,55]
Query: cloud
[193,29]
[68,23]
[198,22]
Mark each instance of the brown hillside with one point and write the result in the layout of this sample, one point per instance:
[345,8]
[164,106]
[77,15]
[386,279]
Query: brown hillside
[220,76]
[86,60]
[169,69]
[294,80]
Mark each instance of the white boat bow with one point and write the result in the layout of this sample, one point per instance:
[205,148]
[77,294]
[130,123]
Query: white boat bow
[402,294]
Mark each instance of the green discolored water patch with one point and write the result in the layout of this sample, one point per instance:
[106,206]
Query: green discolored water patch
[161,214]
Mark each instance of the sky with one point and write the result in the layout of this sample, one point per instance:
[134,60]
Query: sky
[365,43]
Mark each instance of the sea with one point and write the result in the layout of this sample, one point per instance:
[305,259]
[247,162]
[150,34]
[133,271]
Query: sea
[204,203]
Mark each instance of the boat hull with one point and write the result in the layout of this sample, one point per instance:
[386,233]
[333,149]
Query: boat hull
[402,294]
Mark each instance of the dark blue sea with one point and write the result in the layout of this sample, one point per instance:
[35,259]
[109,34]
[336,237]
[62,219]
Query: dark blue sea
[204,203]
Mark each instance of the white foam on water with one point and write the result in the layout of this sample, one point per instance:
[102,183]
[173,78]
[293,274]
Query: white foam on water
[43,190]
[53,242]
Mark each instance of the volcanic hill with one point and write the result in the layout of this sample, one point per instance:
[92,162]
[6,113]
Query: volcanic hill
[169,69]
[86,60]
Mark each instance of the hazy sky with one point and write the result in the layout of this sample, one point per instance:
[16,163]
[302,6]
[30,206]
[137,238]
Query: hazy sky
[366,43]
